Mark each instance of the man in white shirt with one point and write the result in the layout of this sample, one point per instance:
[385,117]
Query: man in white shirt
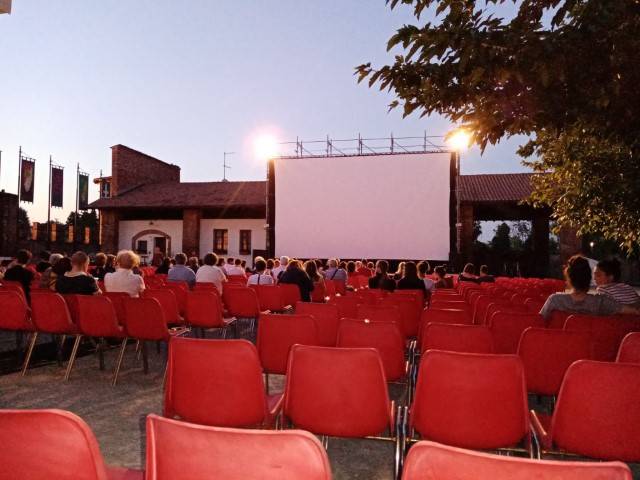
[210,273]
[123,279]
[260,278]
[237,268]
[228,266]
[284,260]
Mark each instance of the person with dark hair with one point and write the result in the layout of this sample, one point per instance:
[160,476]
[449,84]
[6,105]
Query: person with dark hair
[381,279]
[296,276]
[164,267]
[607,277]
[442,279]
[193,264]
[410,280]
[351,271]
[19,272]
[468,274]
[423,273]
[60,267]
[210,272]
[260,277]
[180,272]
[578,276]
[100,266]
[44,263]
[484,275]
[77,281]
[319,287]
[269,269]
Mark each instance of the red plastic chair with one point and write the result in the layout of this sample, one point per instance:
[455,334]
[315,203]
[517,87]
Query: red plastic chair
[410,311]
[597,413]
[326,318]
[52,445]
[217,383]
[347,305]
[506,329]
[241,302]
[385,337]
[456,338]
[180,289]
[432,461]
[547,354]
[379,313]
[15,317]
[166,297]
[450,316]
[558,319]
[270,297]
[319,292]
[629,351]
[117,301]
[184,450]
[276,335]
[337,286]
[204,310]
[97,318]
[471,400]
[339,392]
[290,294]
[606,332]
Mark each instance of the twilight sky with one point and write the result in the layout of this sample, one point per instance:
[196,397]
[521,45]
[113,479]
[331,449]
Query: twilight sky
[186,81]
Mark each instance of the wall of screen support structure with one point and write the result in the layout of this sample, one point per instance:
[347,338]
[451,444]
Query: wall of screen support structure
[394,206]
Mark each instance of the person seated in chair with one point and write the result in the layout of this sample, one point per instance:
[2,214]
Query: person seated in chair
[607,277]
[18,272]
[294,274]
[180,272]
[123,279]
[484,275]
[442,279]
[260,277]
[468,274]
[410,279]
[334,272]
[77,281]
[381,279]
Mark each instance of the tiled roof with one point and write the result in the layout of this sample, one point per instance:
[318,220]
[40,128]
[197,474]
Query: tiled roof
[498,187]
[189,195]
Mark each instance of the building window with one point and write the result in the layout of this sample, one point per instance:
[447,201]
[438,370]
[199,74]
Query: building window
[142,247]
[220,241]
[245,242]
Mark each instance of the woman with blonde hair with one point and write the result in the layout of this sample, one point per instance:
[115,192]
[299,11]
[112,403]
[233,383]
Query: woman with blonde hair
[123,279]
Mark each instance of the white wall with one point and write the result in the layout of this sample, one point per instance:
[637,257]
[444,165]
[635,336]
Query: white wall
[130,228]
[258,235]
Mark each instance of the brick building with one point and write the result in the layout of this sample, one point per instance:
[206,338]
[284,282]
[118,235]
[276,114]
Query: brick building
[143,205]
[8,223]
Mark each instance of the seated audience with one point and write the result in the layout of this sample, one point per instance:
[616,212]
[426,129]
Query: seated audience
[123,279]
[164,267]
[221,263]
[237,268]
[193,264]
[351,271]
[410,280]
[230,265]
[319,288]
[100,266]
[381,279]
[77,281]
[296,276]
[280,266]
[210,272]
[361,269]
[110,265]
[423,273]
[467,274]
[333,272]
[484,275]
[269,270]
[61,267]
[578,276]
[18,272]
[44,263]
[260,277]
[399,272]
[607,277]
[158,257]
[180,272]
[442,279]
[48,278]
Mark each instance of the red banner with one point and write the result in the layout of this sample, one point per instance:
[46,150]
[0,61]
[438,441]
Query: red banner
[57,186]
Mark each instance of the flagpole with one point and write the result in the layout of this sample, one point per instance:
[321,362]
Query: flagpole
[49,207]
[19,189]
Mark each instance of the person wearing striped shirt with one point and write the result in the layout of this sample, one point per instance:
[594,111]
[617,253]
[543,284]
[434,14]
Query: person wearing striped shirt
[607,277]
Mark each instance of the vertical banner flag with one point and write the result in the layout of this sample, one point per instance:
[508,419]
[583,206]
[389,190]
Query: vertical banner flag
[83,191]
[27,178]
[57,190]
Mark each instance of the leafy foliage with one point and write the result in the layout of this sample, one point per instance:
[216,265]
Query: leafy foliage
[564,72]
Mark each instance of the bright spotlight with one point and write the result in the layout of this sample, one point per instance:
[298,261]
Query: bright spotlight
[265,147]
[459,139]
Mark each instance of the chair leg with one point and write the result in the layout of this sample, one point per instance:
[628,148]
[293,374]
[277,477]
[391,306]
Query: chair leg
[72,359]
[123,347]
[145,357]
[100,349]
[60,348]
[32,344]
[266,383]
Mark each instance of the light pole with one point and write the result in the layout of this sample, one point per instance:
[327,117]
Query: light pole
[459,139]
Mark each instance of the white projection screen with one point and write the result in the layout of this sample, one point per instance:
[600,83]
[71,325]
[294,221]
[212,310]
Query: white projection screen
[394,206]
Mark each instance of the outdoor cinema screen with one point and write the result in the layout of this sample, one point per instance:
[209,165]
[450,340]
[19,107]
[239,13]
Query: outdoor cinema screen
[393,206]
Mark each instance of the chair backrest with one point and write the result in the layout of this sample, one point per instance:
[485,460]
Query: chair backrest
[444,315]
[606,332]
[470,400]
[347,305]
[385,337]
[184,450]
[241,302]
[50,444]
[380,313]
[557,319]
[410,312]
[629,351]
[340,392]
[214,382]
[204,309]
[326,317]
[270,297]
[547,353]
[15,312]
[319,292]
[456,338]
[506,329]
[180,289]
[166,297]
[97,317]
[50,314]
[276,335]
[432,461]
[290,293]
[597,413]
[117,301]
[144,319]
[335,286]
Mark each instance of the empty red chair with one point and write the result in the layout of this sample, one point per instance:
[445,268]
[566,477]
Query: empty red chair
[15,317]
[380,313]
[241,302]
[347,305]
[270,297]
[336,286]
[547,353]
[506,329]
[597,413]
[52,445]
[339,392]
[180,289]
[326,318]
[217,383]
[205,286]
[456,338]
[448,315]
[432,461]
[410,312]
[276,335]
[439,302]
[204,310]
[167,299]
[385,337]
[471,400]
[629,351]
[606,332]
[178,450]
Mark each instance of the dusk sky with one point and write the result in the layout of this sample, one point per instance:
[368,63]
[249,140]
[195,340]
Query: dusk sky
[186,81]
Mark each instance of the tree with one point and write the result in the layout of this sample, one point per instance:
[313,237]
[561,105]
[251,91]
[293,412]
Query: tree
[24,224]
[570,83]
[501,241]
